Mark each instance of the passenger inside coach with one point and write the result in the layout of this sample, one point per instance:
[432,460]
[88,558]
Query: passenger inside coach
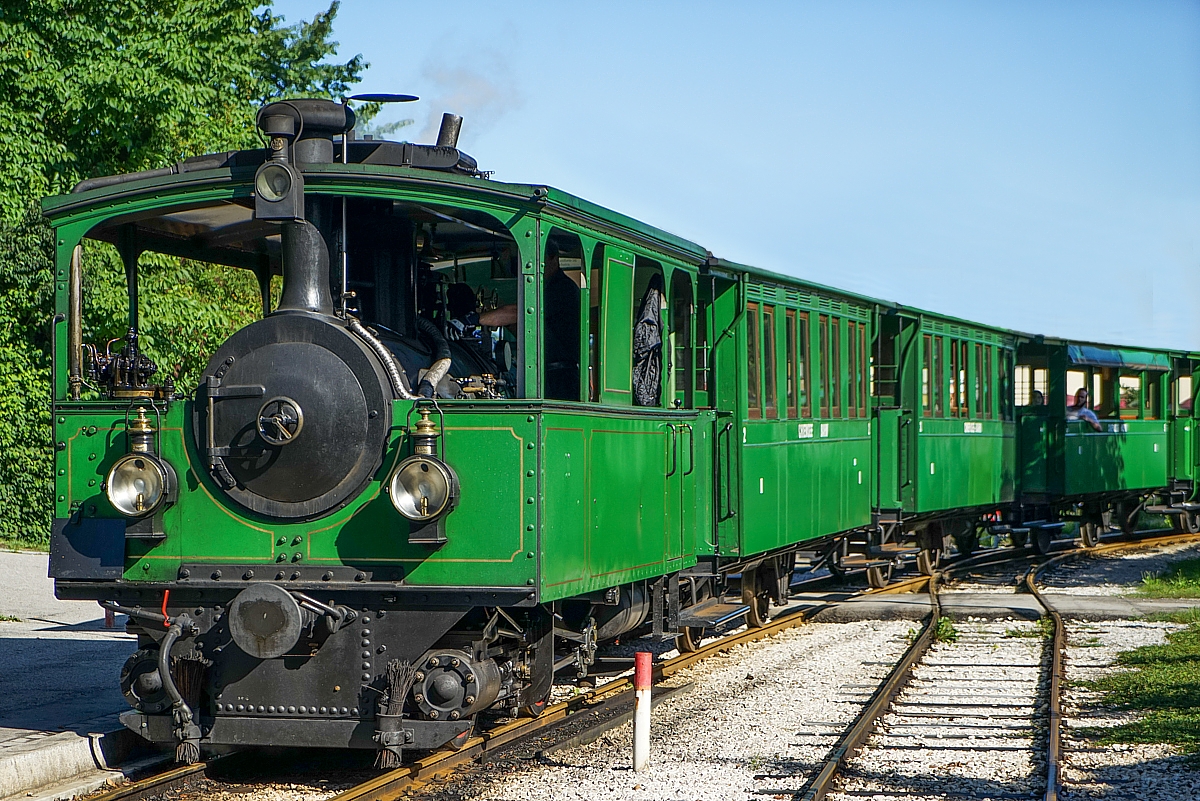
[1080,411]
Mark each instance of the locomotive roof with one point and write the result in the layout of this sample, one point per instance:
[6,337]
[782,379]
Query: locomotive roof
[226,168]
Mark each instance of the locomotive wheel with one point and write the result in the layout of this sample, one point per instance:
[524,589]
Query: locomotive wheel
[688,639]
[878,577]
[1089,532]
[532,710]
[1019,540]
[928,560]
[1042,538]
[755,597]
[458,742]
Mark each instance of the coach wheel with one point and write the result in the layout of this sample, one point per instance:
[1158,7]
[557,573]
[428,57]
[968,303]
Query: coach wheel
[1042,537]
[834,563]
[1089,532]
[967,540]
[1128,520]
[878,577]
[928,560]
[1186,523]
[755,597]
[1019,538]
[689,637]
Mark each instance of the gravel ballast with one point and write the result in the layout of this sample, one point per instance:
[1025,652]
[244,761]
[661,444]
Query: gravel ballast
[1119,772]
[1117,573]
[968,725]
[758,721]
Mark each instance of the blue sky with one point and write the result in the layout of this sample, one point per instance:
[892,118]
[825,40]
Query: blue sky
[1034,165]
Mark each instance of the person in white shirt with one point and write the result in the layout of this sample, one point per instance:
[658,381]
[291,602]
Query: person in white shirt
[1080,411]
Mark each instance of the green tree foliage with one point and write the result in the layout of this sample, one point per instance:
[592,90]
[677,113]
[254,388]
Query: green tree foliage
[99,87]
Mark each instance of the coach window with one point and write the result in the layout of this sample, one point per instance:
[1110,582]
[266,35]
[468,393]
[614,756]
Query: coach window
[988,381]
[954,378]
[852,368]
[1005,385]
[939,377]
[977,364]
[835,367]
[1023,385]
[770,397]
[1183,394]
[1150,397]
[1076,380]
[789,344]
[864,370]
[682,312]
[753,378]
[1130,394]
[964,400]
[804,367]
[926,375]
[823,391]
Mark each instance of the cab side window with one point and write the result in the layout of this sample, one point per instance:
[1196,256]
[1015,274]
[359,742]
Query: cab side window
[563,280]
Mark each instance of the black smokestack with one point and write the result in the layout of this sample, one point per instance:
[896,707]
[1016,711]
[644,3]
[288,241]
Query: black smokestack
[305,270]
[448,133]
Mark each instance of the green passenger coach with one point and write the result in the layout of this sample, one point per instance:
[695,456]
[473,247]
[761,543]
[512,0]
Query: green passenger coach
[477,429]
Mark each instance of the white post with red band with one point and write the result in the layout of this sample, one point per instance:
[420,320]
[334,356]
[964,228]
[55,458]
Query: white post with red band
[641,710]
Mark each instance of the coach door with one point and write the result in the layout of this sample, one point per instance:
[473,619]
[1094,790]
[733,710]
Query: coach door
[895,360]
[1183,436]
[721,315]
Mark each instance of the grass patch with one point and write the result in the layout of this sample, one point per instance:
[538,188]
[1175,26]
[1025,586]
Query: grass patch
[9,619]
[1164,682]
[944,631]
[1185,616]
[21,545]
[1042,629]
[1182,580]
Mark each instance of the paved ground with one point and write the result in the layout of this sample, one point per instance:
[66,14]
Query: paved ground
[59,666]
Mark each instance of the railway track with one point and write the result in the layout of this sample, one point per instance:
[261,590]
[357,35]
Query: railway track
[584,717]
[997,722]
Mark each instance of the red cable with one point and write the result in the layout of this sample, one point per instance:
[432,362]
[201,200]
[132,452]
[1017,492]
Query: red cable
[167,621]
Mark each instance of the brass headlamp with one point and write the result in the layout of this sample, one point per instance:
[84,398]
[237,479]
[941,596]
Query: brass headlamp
[423,488]
[141,482]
